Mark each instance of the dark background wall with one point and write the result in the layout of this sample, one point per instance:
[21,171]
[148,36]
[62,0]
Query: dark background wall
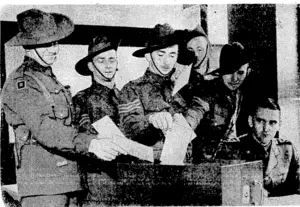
[7,157]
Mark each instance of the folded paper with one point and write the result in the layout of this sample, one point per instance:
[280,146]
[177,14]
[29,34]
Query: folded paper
[176,142]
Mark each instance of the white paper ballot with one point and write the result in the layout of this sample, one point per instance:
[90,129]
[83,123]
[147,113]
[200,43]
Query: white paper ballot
[183,78]
[176,142]
[107,128]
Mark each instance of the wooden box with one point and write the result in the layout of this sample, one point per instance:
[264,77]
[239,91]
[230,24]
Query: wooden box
[203,184]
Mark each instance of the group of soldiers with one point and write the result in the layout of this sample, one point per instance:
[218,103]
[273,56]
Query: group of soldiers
[54,131]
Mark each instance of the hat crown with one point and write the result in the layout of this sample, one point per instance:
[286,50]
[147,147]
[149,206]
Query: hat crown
[101,43]
[36,22]
[160,34]
[232,57]
[37,27]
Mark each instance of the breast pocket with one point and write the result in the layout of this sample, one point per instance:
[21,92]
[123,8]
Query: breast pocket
[63,113]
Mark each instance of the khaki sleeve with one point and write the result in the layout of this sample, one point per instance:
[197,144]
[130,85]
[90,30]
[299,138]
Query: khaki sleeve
[36,113]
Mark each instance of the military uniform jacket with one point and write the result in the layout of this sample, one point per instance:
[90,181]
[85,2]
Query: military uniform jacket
[281,162]
[91,105]
[40,111]
[94,103]
[142,97]
[216,105]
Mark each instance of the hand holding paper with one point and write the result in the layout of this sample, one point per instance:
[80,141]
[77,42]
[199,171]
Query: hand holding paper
[176,142]
[107,128]
[161,120]
[105,149]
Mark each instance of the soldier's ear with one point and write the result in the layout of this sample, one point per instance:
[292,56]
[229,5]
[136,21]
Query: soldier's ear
[250,121]
[90,66]
[249,70]
[147,56]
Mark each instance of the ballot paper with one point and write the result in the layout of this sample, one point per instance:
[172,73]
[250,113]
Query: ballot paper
[107,128]
[183,78]
[176,142]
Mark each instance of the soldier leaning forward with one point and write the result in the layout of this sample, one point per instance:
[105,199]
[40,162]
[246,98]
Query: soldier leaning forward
[146,104]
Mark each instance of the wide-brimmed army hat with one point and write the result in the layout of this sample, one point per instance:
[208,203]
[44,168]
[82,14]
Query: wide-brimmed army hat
[232,57]
[98,45]
[37,27]
[161,36]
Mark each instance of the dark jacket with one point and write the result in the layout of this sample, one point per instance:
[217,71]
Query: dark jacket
[91,105]
[41,116]
[94,103]
[142,97]
[217,105]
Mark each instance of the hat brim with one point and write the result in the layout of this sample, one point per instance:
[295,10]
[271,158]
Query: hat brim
[175,39]
[64,28]
[81,66]
[225,71]
[141,52]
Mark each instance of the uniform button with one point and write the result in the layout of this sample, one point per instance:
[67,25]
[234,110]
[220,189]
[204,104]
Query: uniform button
[56,91]
[71,104]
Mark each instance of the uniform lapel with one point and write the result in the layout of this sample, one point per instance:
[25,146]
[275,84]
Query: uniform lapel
[274,152]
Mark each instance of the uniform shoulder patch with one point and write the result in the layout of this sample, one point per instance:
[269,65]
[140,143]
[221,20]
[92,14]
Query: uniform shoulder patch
[21,84]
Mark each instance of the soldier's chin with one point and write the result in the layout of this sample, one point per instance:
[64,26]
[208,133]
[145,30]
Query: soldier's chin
[165,71]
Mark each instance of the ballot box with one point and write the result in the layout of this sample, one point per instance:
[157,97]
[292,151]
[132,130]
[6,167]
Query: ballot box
[203,184]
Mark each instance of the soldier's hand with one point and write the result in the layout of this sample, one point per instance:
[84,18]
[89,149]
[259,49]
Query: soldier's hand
[105,149]
[161,120]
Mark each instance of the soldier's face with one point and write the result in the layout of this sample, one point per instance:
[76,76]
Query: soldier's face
[48,53]
[163,60]
[265,124]
[198,46]
[106,64]
[234,81]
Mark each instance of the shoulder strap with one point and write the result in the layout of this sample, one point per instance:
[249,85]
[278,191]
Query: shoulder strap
[44,89]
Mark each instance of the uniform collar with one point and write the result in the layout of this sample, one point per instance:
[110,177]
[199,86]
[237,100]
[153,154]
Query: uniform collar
[35,66]
[100,87]
[153,77]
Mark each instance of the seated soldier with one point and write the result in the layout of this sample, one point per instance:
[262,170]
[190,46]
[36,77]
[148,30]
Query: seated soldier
[146,105]
[220,102]
[281,162]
